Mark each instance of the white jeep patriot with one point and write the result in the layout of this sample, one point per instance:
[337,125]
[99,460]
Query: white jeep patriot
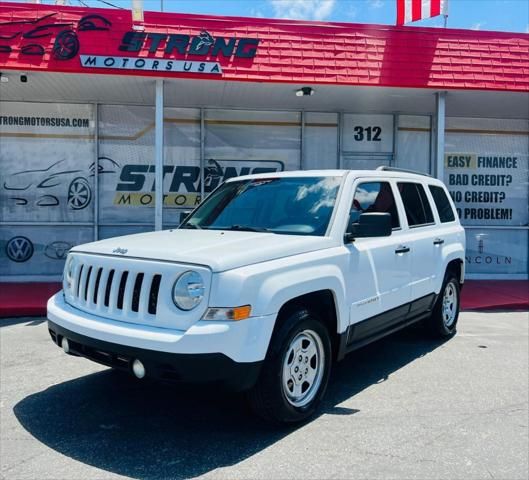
[268,282]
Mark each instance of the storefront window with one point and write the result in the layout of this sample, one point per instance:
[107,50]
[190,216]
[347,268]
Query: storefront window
[413,143]
[126,165]
[47,182]
[320,141]
[487,174]
[241,142]
[182,163]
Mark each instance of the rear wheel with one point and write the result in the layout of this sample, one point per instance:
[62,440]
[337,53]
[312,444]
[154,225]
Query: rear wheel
[296,370]
[443,321]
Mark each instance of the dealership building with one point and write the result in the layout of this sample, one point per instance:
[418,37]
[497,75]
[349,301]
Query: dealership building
[110,126]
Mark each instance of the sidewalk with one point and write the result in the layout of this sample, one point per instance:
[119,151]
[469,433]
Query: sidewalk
[29,299]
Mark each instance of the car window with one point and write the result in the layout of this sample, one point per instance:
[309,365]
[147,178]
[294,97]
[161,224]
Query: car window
[416,205]
[446,214]
[374,197]
[286,205]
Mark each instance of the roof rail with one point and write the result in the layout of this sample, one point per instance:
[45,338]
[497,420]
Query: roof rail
[403,170]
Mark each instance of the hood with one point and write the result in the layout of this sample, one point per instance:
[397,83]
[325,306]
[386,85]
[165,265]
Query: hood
[218,249]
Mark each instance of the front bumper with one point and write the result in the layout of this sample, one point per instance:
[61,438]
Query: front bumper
[171,367]
[208,351]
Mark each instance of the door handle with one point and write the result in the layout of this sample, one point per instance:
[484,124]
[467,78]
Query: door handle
[402,249]
[438,241]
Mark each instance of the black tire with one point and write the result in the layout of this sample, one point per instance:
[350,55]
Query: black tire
[442,323]
[268,397]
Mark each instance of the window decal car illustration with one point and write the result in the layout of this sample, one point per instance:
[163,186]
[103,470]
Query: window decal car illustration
[73,183]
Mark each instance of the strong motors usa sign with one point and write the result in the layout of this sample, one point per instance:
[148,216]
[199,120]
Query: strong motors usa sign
[108,41]
[192,48]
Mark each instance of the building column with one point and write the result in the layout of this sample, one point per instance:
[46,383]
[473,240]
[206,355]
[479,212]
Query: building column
[158,156]
[96,172]
[440,111]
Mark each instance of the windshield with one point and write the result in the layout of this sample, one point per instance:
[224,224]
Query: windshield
[288,205]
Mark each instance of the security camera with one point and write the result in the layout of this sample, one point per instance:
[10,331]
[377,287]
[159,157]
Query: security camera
[304,92]
[24,78]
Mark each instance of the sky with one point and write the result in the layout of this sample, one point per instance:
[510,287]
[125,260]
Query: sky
[503,15]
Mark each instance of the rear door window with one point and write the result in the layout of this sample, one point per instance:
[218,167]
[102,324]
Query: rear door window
[446,214]
[416,205]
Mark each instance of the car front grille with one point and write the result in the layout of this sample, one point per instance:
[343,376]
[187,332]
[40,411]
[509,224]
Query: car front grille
[107,290]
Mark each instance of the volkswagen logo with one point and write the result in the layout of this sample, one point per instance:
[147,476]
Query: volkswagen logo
[19,249]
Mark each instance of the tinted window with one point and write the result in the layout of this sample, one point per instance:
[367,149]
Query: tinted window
[289,205]
[418,210]
[446,214]
[374,197]
[425,204]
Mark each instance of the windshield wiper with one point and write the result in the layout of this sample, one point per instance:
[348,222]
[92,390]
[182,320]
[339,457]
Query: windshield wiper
[247,228]
[190,225]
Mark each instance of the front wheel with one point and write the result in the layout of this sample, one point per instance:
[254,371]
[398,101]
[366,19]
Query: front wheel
[443,321]
[295,372]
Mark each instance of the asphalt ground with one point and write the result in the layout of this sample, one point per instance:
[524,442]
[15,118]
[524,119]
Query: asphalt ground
[401,408]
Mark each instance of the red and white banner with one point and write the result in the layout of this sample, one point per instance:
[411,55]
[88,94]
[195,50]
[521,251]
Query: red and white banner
[413,10]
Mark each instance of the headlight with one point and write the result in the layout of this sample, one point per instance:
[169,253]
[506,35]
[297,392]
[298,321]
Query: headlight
[188,290]
[68,271]
[228,313]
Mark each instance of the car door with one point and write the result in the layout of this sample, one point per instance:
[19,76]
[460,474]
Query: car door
[422,243]
[379,268]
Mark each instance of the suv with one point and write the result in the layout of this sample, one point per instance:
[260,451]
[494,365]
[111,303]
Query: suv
[268,282]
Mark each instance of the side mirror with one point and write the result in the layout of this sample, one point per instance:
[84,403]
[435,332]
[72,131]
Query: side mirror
[370,225]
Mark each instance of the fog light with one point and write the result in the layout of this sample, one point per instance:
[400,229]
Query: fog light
[65,345]
[138,369]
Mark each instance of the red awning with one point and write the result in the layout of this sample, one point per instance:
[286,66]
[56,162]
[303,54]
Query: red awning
[59,39]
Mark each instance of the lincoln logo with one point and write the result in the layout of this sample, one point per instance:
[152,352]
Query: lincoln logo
[120,250]
[480,246]
[484,258]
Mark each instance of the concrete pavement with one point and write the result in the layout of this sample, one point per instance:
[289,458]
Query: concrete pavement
[402,408]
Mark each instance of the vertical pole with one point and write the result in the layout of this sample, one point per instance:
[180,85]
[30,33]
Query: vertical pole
[202,154]
[440,110]
[302,142]
[340,139]
[96,172]
[158,156]
[393,161]
[432,146]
